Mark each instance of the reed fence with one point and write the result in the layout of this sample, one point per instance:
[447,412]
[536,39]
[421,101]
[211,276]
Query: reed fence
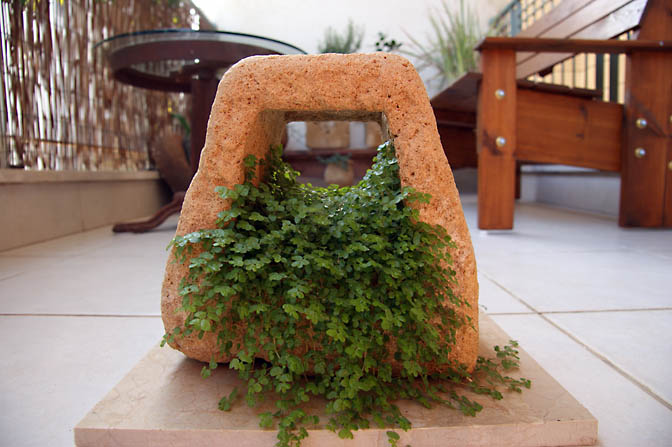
[60,107]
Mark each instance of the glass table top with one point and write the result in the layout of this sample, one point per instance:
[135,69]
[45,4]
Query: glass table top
[167,59]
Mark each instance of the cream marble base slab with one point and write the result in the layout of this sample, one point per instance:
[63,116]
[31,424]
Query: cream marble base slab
[164,401]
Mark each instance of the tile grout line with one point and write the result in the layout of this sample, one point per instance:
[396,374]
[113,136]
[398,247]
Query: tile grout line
[510,293]
[14,275]
[604,359]
[78,315]
[651,252]
[596,311]
[639,309]
[619,249]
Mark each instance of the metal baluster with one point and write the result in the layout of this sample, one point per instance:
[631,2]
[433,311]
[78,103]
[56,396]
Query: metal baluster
[613,77]
[599,72]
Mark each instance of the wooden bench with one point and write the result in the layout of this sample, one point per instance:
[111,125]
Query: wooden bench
[518,121]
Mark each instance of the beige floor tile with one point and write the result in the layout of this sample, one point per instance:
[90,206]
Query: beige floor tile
[493,299]
[87,285]
[146,245]
[539,229]
[638,342]
[12,266]
[67,246]
[54,369]
[544,229]
[653,240]
[627,416]
[564,281]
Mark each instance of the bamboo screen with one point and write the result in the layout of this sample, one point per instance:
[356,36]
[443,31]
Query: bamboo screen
[60,107]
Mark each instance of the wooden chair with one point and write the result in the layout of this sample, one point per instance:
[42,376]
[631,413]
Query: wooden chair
[517,121]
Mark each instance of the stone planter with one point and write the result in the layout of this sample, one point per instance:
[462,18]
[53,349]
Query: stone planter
[360,87]
[327,135]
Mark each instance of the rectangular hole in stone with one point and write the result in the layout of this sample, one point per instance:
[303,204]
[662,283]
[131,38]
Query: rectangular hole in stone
[312,147]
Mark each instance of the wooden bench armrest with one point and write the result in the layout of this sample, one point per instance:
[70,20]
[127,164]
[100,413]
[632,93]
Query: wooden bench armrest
[545,45]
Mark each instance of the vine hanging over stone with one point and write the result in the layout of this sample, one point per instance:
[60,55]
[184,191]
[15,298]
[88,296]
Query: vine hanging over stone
[342,292]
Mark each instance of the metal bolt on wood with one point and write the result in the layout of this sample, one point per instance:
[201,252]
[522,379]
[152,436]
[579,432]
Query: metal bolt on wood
[640,152]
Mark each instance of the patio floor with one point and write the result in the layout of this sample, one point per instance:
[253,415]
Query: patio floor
[590,301]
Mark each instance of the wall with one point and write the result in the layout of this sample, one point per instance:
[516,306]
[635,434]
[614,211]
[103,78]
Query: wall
[37,206]
[303,22]
[572,187]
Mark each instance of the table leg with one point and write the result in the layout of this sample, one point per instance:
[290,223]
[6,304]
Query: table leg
[203,91]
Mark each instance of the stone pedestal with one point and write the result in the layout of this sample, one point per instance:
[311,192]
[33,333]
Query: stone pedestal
[164,401]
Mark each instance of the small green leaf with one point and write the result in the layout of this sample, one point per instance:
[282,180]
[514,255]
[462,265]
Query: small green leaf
[265,420]
[277,276]
[226,402]
[345,434]
[235,364]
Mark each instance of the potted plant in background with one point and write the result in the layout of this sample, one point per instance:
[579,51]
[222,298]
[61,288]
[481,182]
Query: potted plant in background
[334,134]
[339,170]
[450,50]
[348,42]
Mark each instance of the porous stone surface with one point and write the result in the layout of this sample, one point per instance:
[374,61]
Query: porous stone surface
[259,95]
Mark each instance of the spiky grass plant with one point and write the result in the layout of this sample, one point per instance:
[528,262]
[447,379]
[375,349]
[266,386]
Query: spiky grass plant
[350,41]
[450,49]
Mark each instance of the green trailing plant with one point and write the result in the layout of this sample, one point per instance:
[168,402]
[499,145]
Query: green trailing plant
[344,291]
[350,41]
[450,49]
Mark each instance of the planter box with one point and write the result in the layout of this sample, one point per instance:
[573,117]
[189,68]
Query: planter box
[42,205]
[165,401]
